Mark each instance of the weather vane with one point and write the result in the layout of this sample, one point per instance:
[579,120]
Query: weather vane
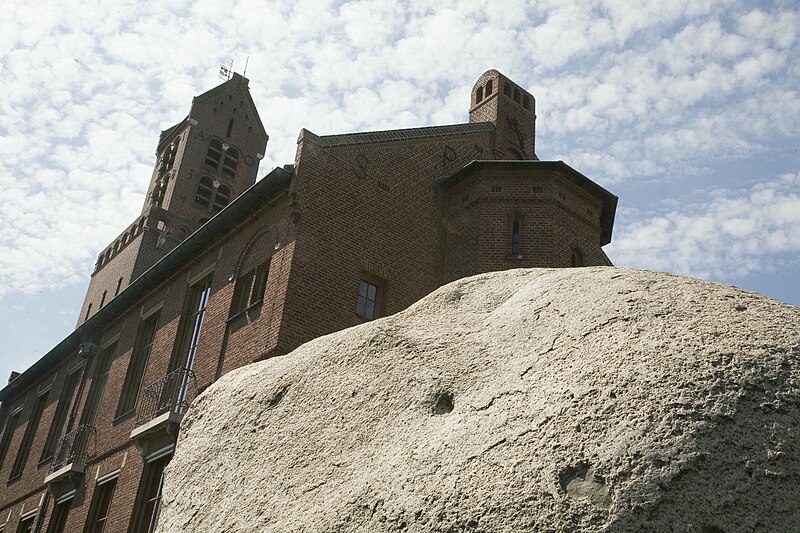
[226,73]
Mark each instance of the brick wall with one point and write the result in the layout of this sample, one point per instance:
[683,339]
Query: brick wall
[368,208]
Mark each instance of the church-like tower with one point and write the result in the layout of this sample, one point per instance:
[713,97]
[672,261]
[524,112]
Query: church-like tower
[202,164]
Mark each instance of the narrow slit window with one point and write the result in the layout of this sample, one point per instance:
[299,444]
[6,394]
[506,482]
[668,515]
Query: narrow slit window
[577,257]
[479,95]
[489,87]
[230,128]
[515,238]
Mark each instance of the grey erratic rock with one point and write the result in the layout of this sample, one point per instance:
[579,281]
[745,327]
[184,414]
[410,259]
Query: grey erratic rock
[592,399]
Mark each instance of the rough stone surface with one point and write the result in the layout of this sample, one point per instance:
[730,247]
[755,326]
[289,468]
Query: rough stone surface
[594,399]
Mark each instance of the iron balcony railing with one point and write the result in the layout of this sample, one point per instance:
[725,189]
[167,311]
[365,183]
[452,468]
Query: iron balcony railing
[76,447]
[172,393]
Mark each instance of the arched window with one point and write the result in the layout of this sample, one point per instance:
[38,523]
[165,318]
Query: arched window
[515,238]
[231,160]
[479,95]
[204,192]
[222,198]
[214,154]
[577,257]
[488,87]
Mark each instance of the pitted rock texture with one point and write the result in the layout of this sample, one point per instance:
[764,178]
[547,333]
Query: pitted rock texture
[591,399]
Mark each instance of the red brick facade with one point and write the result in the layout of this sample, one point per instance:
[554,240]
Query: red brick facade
[361,225]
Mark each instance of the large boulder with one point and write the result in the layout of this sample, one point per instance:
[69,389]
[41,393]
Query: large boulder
[591,399]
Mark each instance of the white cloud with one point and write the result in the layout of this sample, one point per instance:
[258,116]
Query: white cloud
[725,234]
[627,93]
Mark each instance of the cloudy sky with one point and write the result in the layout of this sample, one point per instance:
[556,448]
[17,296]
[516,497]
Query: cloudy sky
[688,110]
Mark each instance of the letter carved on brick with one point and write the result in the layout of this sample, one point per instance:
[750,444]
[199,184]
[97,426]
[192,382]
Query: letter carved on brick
[449,155]
[360,169]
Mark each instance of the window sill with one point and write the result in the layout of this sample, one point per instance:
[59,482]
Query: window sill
[45,462]
[244,311]
[124,416]
[13,480]
[515,257]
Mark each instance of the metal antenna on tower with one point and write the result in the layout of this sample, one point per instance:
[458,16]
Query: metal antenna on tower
[246,61]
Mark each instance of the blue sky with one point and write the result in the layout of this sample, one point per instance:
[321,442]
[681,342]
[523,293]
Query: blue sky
[687,110]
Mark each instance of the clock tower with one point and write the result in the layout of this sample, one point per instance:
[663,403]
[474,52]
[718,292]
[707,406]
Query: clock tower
[202,164]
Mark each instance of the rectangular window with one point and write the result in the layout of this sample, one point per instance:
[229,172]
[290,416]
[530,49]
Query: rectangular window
[59,519]
[30,433]
[138,364]
[99,379]
[97,520]
[241,293]
[250,289]
[8,434]
[260,285]
[148,500]
[26,524]
[191,324]
[64,404]
[369,299]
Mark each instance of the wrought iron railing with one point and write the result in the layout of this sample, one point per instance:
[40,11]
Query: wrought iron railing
[173,393]
[75,447]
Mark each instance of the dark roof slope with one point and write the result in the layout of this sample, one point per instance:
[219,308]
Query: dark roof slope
[169,131]
[396,135]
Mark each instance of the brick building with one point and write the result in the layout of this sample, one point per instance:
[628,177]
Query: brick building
[221,270]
